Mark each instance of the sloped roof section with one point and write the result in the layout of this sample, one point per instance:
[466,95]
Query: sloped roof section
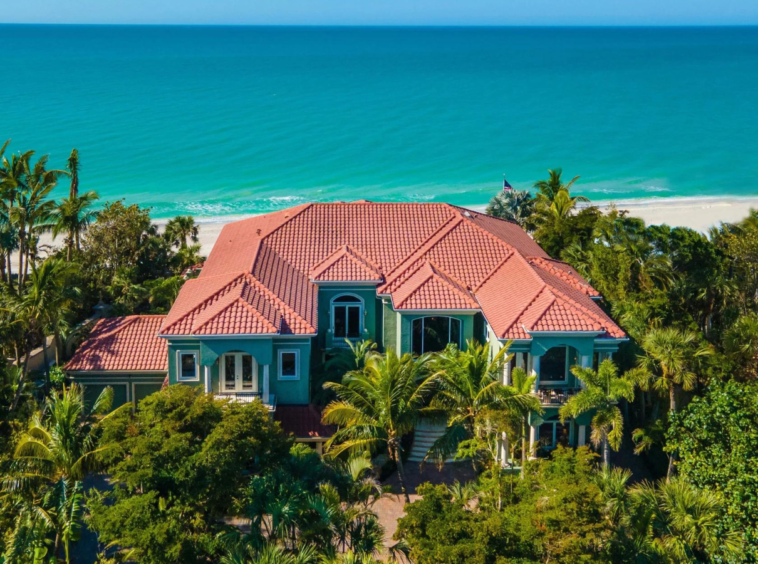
[263,274]
[123,343]
[346,265]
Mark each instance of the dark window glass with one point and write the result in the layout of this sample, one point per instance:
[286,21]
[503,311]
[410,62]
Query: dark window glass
[347,299]
[289,365]
[432,334]
[340,321]
[553,365]
[353,322]
[418,329]
[230,369]
[562,434]
[546,435]
[247,372]
[189,370]
[455,332]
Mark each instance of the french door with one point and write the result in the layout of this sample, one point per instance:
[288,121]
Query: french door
[239,373]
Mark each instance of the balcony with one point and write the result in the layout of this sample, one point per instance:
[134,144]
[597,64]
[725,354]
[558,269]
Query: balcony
[247,397]
[555,396]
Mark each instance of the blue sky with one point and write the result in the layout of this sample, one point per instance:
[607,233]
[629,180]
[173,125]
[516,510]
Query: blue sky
[384,12]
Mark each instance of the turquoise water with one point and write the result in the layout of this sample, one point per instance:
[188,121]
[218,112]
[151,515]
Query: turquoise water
[228,120]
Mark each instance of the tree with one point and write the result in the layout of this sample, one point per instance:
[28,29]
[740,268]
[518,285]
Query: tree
[521,383]
[512,205]
[601,393]
[178,464]
[717,442]
[32,210]
[670,355]
[58,449]
[72,217]
[12,181]
[741,345]
[470,386]
[378,405]
[550,188]
[180,230]
[43,306]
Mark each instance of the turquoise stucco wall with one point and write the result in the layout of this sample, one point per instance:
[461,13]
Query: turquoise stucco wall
[371,312]
[264,350]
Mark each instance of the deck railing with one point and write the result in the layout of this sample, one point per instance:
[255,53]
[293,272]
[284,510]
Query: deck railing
[555,396]
[247,397]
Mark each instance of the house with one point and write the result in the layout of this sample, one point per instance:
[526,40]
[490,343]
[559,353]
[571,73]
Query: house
[281,292]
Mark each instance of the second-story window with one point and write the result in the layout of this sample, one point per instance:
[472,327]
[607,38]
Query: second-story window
[433,334]
[347,317]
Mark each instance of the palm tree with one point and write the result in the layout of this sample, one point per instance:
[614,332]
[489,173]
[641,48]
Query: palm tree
[513,205]
[58,449]
[72,216]
[469,386]
[601,393]
[549,189]
[669,359]
[12,181]
[681,522]
[181,229]
[378,405]
[522,384]
[73,170]
[42,307]
[33,210]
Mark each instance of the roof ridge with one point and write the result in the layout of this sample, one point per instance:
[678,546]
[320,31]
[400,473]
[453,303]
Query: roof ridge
[245,304]
[567,298]
[511,221]
[128,320]
[430,241]
[232,280]
[303,207]
[482,229]
[277,301]
[527,306]
[578,284]
[460,286]
[446,279]
[345,251]
[213,310]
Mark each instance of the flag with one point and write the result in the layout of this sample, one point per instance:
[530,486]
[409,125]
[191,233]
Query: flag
[506,186]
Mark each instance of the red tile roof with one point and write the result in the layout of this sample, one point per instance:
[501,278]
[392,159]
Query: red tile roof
[302,421]
[263,272]
[123,343]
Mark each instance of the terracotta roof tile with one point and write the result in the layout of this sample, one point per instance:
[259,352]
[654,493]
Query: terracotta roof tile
[123,343]
[432,256]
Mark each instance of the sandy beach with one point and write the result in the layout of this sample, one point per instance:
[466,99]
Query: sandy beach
[695,213]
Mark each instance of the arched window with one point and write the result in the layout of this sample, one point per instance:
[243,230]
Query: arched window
[347,317]
[433,334]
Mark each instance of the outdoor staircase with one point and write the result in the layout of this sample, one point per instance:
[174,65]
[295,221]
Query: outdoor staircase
[425,435]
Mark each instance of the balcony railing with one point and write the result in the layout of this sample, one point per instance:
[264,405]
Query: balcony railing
[555,396]
[247,397]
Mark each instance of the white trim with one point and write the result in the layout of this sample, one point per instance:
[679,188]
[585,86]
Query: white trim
[116,372]
[439,312]
[179,377]
[222,389]
[266,396]
[365,283]
[566,369]
[297,365]
[361,312]
[562,333]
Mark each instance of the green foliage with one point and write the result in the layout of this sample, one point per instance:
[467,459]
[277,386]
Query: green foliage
[717,440]
[553,515]
[178,464]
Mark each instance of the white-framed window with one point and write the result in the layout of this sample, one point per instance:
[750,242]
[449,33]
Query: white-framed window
[187,366]
[289,365]
[347,316]
[434,333]
[238,372]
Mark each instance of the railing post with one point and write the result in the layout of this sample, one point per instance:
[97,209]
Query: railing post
[265,396]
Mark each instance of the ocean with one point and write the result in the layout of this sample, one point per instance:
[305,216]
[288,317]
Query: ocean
[223,121]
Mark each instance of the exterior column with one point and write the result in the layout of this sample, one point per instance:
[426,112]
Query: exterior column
[536,371]
[207,374]
[265,395]
[581,439]
[320,448]
[503,450]
[520,360]
[507,374]
[586,362]
[534,438]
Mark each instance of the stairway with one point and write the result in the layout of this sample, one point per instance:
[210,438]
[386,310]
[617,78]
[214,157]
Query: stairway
[425,435]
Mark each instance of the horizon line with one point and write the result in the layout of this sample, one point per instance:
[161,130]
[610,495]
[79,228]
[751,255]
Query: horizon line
[396,25]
